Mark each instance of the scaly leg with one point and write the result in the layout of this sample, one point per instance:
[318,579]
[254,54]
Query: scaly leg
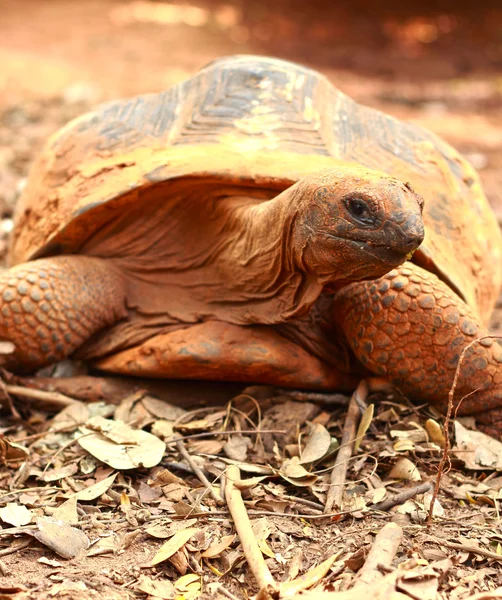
[50,307]
[411,327]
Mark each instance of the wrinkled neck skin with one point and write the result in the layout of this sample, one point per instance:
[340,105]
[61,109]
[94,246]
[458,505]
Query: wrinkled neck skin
[211,252]
[265,258]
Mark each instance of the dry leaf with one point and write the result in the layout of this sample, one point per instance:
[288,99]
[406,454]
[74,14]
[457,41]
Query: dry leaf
[364,424]
[95,491]
[189,586]
[15,514]
[163,429]
[59,473]
[157,588]
[67,511]
[141,450]
[173,545]
[10,451]
[165,530]
[317,446]
[477,450]
[294,473]
[163,410]
[51,563]
[237,447]
[405,469]
[115,430]
[435,432]
[65,540]
[217,548]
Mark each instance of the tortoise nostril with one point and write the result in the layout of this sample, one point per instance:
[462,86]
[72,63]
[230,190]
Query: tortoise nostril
[414,237]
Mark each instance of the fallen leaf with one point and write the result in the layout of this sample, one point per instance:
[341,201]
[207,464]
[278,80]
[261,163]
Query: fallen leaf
[95,491]
[157,588]
[217,548]
[51,563]
[67,511]
[294,473]
[141,450]
[162,409]
[318,444]
[405,469]
[15,514]
[114,430]
[364,424]
[65,540]
[435,432]
[477,450]
[173,545]
[165,530]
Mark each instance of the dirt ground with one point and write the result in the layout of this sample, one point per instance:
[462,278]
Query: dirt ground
[437,63]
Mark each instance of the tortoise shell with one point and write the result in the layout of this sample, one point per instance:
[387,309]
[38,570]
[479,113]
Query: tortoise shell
[259,123]
[251,123]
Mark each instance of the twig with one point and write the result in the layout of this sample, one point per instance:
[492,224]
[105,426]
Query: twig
[53,399]
[245,532]
[16,547]
[319,397]
[198,472]
[445,457]
[466,548]
[339,472]
[225,592]
[382,552]
[402,497]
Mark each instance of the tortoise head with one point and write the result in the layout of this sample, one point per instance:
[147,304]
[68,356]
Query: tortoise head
[353,224]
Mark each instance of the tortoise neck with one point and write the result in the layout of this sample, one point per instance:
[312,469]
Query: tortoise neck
[262,256]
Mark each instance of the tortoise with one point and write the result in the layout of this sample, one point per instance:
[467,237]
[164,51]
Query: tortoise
[255,224]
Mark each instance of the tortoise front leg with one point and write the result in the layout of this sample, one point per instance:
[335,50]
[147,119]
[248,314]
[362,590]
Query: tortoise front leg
[411,327]
[50,307]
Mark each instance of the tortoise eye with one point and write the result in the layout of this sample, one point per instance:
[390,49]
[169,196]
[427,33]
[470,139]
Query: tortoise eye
[359,209]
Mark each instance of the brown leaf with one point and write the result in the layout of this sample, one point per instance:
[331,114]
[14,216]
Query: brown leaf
[173,545]
[15,514]
[169,528]
[477,450]
[317,446]
[217,548]
[141,450]
[154,587]
[65,540]
[295,474]
[95,491]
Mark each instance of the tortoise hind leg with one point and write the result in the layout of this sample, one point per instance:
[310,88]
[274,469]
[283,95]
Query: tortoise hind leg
[49,307]
[411,327]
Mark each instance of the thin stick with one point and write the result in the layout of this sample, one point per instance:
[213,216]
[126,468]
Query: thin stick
[245,532]
[339,473]
[198,472]
[466,548]
[382,552]
[445,457]
[402,497]
[54,399]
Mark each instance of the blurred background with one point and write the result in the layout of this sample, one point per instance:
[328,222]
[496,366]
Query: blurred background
[435,62]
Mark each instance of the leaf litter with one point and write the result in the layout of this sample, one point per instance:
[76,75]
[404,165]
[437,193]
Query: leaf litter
[232,498]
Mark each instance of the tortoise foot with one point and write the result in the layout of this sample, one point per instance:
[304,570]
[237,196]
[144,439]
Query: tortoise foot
[49,307]
[411,328]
